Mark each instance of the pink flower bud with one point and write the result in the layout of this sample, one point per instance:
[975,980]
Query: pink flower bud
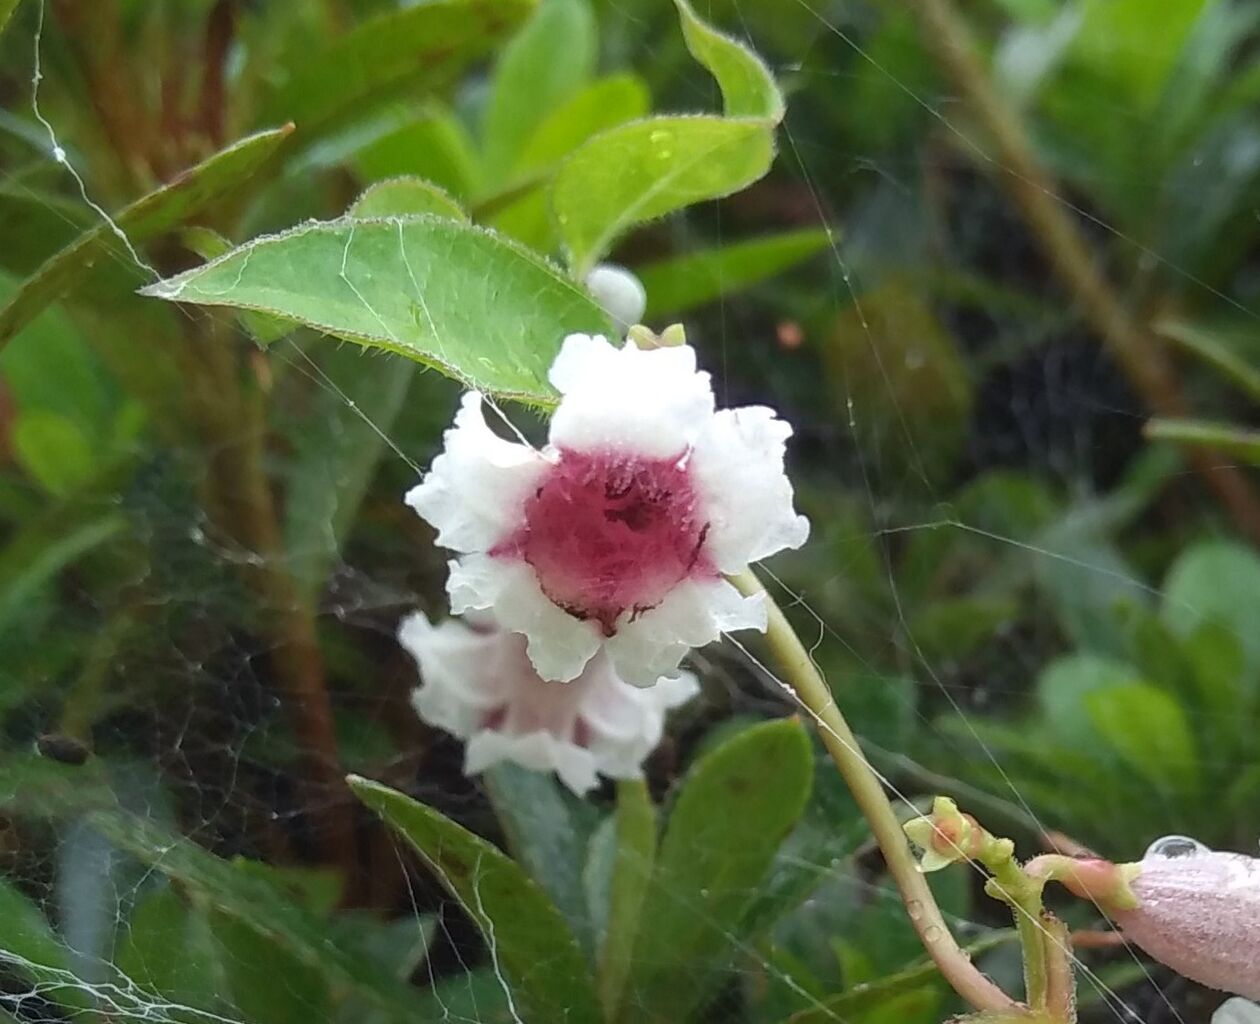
[1200,915]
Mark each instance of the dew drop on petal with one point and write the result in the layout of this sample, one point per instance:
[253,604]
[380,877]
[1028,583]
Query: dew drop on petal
[1176,846]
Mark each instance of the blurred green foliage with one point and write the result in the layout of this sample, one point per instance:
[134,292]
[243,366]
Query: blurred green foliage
[1017,596]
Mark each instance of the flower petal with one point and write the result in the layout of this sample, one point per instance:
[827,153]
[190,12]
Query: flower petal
[695,613]
[475,490]
[1200,915]
[1236,1011]
[737,466]
[456,690]
[559,644]
[539,751]
[648,403]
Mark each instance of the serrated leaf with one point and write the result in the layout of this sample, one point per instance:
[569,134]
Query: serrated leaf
[546,63]
[642,170]
[420,46]
[459,298]
[210,245]
[730,817]
[405,197]
[526,932]
[160,210]
[748,88]
[682,283]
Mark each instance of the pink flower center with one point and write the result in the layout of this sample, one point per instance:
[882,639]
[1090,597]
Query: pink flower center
[608,533]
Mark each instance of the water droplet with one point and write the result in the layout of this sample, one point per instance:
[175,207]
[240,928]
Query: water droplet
[1176,846]
[663,142]
[932,933]
[915,909]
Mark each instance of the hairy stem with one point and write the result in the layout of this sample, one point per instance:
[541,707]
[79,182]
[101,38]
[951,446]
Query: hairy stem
[1136,349]
[1012,886]
[803,678]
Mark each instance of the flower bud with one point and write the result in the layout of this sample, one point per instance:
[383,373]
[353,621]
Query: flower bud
[1236,1011]
[947,836]
[619,292]
[1200,915]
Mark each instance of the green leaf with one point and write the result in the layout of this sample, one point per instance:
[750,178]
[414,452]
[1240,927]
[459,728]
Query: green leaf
[545,64]
[53,451]
[634,853]
[434,146]
[526,933]
[155,213]
[210,245]
[639,171]
[1063,686]
[1226,438]
[246,898]
[748,88]
[875,994]
[32,951]
[269,984]
[1149,730]
[167,949]
[460,298]
[7,7]
[545,836]
[681,283]
[731,816]
[34,557]
[36,224]
[410,50]
[1216,581]
[642,170]
[403,197]
[604,103]
[1121,41]
[1214,351]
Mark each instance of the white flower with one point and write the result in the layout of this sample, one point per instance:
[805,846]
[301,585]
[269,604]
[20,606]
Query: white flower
[1236,1011]
[478,684]
[1198,911]
[618,534]
[619,292]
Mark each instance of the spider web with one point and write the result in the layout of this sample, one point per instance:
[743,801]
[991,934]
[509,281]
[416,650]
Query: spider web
[195,753]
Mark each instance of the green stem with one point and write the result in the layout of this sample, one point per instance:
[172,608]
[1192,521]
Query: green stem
[1012,886]
[803,678]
